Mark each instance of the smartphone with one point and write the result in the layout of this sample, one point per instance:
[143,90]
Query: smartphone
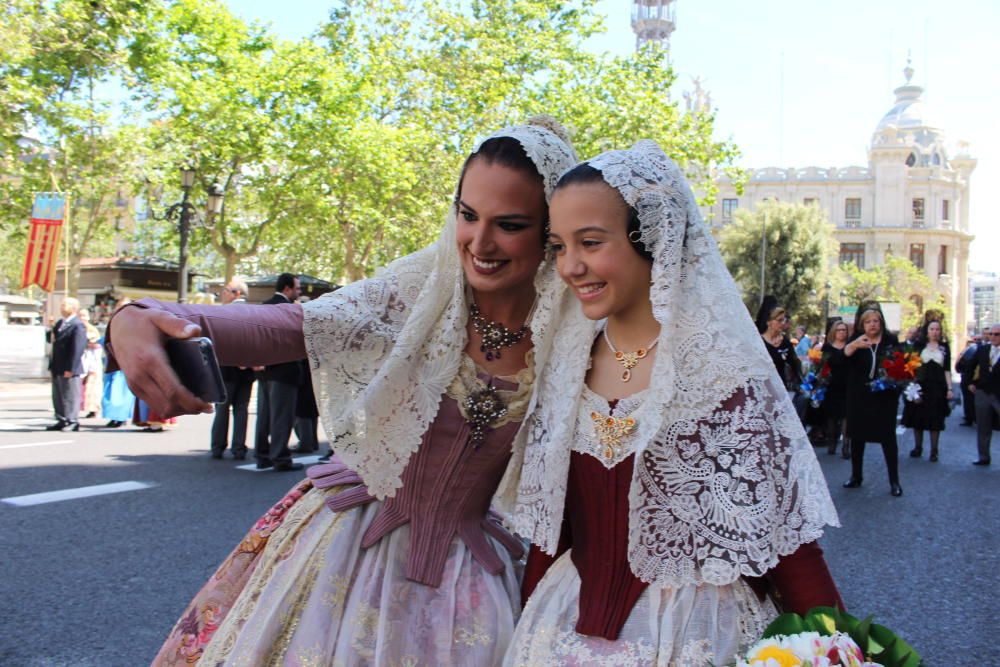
[194,361]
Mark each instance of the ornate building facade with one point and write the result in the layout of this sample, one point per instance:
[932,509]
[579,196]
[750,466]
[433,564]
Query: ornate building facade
[911,200]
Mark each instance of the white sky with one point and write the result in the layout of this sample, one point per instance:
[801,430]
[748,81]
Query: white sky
[838,62]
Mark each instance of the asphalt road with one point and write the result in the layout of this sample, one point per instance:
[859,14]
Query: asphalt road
[100,580]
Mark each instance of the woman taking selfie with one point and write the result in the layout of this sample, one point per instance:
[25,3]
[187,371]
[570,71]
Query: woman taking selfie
[422,375]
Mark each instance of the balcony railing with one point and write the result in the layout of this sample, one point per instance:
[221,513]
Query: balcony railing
[852,223]
[918,223]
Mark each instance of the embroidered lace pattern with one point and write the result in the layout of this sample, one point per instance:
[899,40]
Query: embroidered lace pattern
[384,350]
[725,480]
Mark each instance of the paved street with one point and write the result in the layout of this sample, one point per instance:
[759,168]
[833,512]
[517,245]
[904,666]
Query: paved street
[100,580]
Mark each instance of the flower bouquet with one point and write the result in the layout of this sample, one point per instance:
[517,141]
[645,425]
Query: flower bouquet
[828,637]
[814,384]
[897,370]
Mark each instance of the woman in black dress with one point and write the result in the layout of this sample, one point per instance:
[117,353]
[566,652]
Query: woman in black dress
[871,415]
[773,324]
[934,379]
[835,402]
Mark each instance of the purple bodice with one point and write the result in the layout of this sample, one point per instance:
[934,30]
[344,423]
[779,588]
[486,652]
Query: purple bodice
[447,488]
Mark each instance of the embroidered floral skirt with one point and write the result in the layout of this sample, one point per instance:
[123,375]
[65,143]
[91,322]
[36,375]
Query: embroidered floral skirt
[313,596]
[668,627]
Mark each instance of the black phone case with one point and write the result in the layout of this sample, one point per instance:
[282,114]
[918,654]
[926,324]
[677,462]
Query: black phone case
[194,361]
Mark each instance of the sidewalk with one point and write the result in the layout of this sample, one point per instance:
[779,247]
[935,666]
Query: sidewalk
[32,388]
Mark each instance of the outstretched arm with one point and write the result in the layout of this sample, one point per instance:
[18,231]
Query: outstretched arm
[243,335]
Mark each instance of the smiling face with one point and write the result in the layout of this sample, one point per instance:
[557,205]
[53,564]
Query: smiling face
[501,212]
[589,235]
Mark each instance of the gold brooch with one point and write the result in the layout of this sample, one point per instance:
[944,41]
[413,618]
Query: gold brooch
[611,431]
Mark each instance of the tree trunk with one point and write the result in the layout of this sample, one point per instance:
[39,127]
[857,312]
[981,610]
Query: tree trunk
[73,282]
[232,258]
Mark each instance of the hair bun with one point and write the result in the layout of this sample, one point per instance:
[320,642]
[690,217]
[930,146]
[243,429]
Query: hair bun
[550,124]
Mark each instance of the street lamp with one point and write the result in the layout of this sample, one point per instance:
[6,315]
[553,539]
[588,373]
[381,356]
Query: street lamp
[763,253]
[826,302]
[186,214]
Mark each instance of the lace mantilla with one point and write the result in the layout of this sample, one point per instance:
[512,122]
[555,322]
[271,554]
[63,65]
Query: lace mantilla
[725,480]
[384,350]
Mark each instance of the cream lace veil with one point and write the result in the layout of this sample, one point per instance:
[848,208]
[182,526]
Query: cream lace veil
[384,350]
[725,480]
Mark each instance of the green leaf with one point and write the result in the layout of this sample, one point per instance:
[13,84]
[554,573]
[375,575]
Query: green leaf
[822,620]
[786,624]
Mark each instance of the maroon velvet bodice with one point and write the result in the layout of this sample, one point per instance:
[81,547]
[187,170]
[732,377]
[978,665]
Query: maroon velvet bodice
[447,488]
[597,512]
[595,528]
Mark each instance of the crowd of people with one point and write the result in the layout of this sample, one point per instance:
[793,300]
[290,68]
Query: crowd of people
[857,404]
[84,384]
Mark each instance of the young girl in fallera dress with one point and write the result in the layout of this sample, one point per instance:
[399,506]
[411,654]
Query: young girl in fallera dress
[666,473]
[390,557]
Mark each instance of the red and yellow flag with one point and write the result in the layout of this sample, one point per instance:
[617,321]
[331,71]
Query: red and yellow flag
[47,217]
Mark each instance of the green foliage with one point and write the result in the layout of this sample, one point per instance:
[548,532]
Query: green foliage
[339,152]
[895,280]
[878,643]
[799,251]
[58,133]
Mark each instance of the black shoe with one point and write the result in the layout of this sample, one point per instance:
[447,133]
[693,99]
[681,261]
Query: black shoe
[287,467]
[58,426]
[240,457]
[90,415]
[981,462]
[264,465]
[895,490]
[916,453]
[114,423]
[326,457]
[217,455]
[73,426]
[933,458]
[852,483]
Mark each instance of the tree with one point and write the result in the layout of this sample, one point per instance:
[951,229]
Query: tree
[799,251]
[58,131]
[896,280]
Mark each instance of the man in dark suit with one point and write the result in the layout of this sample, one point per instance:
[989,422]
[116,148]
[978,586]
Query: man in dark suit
[276,395]
[966,366]
[986,387]
[69,340]
[239,384]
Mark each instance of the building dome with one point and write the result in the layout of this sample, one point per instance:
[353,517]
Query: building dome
[909,111]
[909,122]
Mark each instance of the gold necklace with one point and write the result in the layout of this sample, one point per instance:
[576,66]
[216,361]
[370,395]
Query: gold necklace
[628,360]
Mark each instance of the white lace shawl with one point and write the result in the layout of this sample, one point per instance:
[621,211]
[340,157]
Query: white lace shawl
[384,350]
[725,480]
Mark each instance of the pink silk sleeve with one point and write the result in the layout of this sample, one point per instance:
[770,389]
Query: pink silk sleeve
[243,334]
